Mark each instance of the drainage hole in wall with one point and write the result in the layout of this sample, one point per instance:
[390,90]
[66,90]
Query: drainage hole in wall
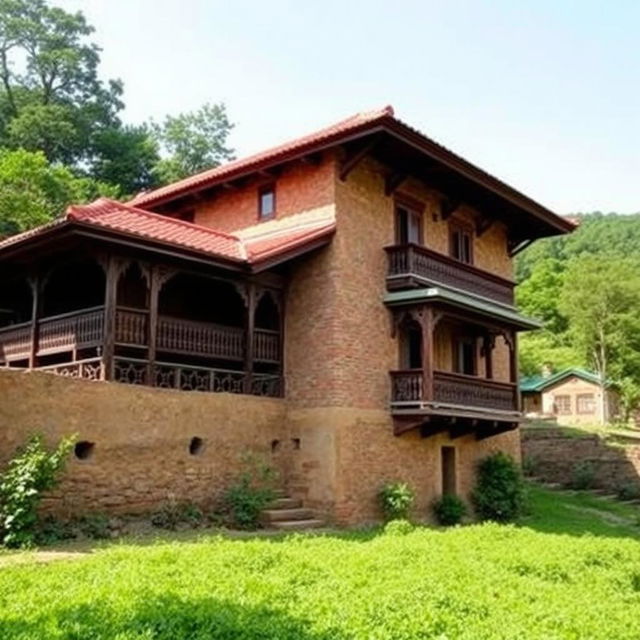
[83,450]
[296,443]
[196,446]
[275,445]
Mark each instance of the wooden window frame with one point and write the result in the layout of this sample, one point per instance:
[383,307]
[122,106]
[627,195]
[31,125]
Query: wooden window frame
[457,226]
[582,396]
[262,189]
[413,207]
[564,396]
[457,339]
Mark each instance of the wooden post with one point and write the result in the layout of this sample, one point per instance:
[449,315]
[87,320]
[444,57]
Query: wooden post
[249,336]
[110,300]
[154,293]
[427,353]
[35,284]
[488,355]
[513,366]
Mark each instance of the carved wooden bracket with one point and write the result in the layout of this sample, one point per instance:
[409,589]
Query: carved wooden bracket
[448,206]
[354,157]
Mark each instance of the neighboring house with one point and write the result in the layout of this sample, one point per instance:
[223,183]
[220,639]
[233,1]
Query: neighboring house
[359,279]
[573,396]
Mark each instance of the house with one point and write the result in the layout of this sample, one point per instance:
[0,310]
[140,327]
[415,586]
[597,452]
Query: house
[349,292]
[573,396]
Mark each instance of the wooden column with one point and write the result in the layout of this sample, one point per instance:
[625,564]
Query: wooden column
[513,365]
[35,284]
[427,325]
[110,299]
[155,285]
[487,346]
[249,331]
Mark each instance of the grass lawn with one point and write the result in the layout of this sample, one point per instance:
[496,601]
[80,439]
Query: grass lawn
[571,570]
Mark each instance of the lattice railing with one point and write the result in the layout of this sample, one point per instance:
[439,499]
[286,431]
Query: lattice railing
[469,391]
[89,369]
[406,386]
[131,327]
[266,345]
[415,260]
[71,330]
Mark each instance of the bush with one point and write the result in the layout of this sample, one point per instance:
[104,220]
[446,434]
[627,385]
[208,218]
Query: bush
[398,528]
[50,530]
[628,492]
[449,510]
[249,494]
[95,525]
[582,475]
[529,466]
[31,472]
[173,514]
[499,494]
[396,500]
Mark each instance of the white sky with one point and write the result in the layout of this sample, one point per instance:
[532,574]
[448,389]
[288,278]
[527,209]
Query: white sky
[545,94]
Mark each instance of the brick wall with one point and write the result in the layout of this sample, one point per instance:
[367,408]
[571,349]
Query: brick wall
[554,453]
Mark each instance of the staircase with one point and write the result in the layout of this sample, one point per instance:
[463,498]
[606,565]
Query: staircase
[288,514]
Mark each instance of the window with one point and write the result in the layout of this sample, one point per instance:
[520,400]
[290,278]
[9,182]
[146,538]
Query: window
[411,346]
[267,201]
[448,469]
[586,403]
[562,405]
[461,244]
[408,226]
[464,356]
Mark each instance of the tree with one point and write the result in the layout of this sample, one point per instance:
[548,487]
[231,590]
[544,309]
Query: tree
[33,191]
[601,301]
[192,142]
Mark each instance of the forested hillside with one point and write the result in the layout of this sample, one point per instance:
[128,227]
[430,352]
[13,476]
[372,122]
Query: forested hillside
[586,289]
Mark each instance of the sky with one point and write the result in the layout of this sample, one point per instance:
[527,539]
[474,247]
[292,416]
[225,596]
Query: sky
[544,94]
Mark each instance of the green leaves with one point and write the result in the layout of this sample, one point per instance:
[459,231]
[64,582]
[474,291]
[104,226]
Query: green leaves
[396,500]
[29,474]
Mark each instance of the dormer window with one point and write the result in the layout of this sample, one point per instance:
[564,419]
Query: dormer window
[461,243]
[267,201]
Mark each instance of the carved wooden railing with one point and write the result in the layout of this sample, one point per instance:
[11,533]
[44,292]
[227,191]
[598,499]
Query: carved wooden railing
[76,329]
[413,260]
[89,369]
[192,378]
[131,327]
[15,342]
[454,389]
[469,391]
[176,335]
[266,345]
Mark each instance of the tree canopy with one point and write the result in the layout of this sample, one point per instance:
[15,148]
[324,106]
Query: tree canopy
[54,105]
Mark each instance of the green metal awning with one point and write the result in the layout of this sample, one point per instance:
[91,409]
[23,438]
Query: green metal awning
[468,302]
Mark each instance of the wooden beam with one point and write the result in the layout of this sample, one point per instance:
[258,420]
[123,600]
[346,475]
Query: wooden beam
[355,157]
[36,304]
[483,225]
[515,247]
[393,181]
[154,294]
[448,206]
[249,335]
[427,353]
[312,159]
[110,300]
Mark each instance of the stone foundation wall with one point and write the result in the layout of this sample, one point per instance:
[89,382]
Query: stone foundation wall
[141,439]
[554,454]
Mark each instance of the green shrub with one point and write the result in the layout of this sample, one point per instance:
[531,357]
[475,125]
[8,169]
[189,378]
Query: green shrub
[173,514]
[396,500]
[499,494]
[95,525]
[249,494]
[529,466]
[582,475]
[628,492]
[449,510]
[31,472]
[50,530]
[398,528]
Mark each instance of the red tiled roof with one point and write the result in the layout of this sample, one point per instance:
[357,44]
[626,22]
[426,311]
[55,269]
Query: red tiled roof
[127,220]
[245,165]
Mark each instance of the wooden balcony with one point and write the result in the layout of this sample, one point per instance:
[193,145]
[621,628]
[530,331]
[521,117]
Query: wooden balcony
[452,391]
[414,265]
[85,329]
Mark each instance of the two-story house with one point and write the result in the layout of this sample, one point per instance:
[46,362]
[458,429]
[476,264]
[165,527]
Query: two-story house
[350,292]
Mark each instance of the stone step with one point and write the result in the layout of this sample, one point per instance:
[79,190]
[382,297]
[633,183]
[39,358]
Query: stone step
[285,503]
[279,515]
[279,493]
[297,525]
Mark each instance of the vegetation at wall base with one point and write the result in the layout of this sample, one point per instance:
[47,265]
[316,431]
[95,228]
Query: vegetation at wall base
[396,500]
[32,471]
[499,494]
[479,582]
[449,510]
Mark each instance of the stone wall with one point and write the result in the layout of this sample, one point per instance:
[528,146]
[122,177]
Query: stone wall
[554,453]
[141,439]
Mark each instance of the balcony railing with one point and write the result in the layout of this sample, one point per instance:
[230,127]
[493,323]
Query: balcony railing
[410,263]
[85,328]
[453,389]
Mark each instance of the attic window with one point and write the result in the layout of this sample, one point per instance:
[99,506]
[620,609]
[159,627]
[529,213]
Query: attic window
[461,243]
[267,201]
